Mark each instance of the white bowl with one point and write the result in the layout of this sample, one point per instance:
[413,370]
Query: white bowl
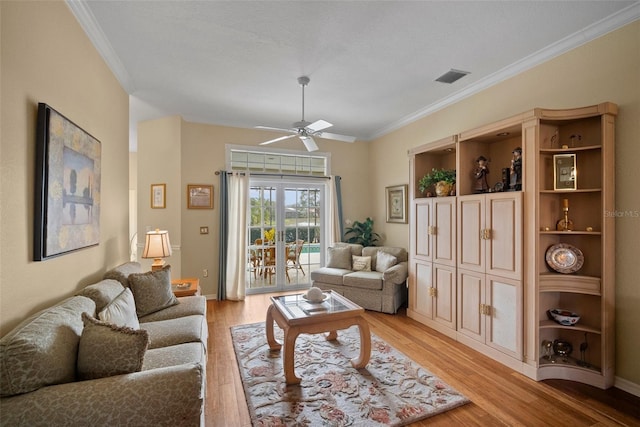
[564,317]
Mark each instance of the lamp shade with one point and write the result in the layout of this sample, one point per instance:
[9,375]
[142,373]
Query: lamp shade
[157,246]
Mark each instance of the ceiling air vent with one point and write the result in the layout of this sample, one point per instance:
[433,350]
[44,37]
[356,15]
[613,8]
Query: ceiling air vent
[451,76]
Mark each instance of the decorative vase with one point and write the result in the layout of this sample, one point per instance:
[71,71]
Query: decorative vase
[443,188]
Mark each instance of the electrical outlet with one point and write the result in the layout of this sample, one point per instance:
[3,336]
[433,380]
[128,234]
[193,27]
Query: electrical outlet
[205,273]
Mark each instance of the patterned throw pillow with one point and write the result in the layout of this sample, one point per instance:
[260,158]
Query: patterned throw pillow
[361,263]
[339,257]
[106,350]
[385,261]
[121,311]
[152,291]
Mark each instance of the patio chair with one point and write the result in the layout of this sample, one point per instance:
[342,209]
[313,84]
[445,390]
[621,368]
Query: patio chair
[293,256]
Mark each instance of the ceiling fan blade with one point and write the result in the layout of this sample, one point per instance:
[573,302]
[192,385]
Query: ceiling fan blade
[318,126]
[277,129]
[337,137]
[282,138]
[309,143]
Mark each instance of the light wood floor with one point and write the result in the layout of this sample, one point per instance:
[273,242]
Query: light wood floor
[499,395]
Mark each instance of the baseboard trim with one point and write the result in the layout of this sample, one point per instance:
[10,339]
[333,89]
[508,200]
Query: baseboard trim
[627,386]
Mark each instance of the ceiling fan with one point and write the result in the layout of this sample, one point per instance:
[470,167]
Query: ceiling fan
[306,130]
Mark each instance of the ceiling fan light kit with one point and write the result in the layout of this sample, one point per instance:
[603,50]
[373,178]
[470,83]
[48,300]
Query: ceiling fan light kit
[306,130]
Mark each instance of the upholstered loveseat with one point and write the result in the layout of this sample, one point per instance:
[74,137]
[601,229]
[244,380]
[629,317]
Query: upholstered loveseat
[65,367]
[374,277]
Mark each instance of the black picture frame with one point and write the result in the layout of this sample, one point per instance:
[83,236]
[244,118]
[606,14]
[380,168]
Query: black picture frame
[67,186]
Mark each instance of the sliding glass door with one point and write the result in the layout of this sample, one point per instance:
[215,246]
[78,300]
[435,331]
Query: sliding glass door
[285,235]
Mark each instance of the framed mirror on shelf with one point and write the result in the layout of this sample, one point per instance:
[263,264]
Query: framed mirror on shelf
[565,172]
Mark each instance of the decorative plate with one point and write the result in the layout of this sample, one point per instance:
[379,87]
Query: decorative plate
[564,258]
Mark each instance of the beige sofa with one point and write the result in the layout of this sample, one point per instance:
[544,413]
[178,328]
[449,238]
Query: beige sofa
[61,367]
[371,280]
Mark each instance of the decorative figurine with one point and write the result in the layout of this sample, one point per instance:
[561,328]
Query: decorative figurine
[516,170]
[480,174]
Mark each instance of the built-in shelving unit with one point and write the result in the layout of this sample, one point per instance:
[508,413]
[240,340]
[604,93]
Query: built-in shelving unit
[588,135]
[490,287]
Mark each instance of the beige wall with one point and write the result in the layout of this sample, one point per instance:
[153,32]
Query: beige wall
[607,69]
[201,153]
[46,57]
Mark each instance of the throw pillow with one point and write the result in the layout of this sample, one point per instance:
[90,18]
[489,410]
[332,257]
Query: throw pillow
[361,263]
[339,258]
[152,291]
[121,311]
[385,261]
[106,350]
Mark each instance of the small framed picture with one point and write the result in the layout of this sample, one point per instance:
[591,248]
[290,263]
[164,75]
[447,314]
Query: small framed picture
[158,196]
[199,196]
[397,204]
[565,172]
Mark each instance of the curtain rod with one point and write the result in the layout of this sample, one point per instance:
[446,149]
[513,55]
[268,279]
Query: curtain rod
[281,175]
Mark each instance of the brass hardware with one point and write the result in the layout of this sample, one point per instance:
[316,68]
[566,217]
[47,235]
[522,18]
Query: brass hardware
[432,230]
[433,292]
[487,234]
[486,309]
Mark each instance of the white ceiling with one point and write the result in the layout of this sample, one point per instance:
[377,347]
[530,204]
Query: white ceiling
[372,64]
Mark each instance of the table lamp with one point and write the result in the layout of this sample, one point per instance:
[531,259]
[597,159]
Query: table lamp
[157,246]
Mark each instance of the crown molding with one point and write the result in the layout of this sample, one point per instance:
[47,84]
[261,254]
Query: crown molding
[587,34]
[88,22]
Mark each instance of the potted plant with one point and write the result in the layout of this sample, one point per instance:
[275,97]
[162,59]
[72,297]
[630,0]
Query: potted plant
[441,179]
[362,232]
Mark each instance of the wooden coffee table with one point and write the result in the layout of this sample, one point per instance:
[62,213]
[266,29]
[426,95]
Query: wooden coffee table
[295,315]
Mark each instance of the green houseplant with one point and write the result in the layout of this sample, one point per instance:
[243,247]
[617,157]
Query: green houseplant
[435,178]
[362,232]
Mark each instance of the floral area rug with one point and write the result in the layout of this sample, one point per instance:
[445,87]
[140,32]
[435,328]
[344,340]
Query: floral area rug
[392,390]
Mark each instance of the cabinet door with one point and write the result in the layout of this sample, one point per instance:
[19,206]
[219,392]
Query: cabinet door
[444,237]
[444,304]
[471,244]
[422,303]
[504,320]
[421,237]
[504,239]
[470,297]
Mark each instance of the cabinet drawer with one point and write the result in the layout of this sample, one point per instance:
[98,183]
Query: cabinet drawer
[565,283]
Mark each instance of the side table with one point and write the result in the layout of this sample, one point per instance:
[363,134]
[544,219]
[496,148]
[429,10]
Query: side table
[186,287]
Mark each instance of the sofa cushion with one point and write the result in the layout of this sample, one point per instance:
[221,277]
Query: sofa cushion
[329,275]
[355,248]
[42,350]
[364,279]
[385,261]
[372,251]
[361,263]
[106,349]
[339,257]
[121,311]
[190,352]
[164,333]
[103,292]
[189,306]
[152,290]
[121,273]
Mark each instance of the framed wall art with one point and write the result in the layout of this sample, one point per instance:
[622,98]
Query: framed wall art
[67,186]
[158,196]
[199,196]
[397,203]
[564,172]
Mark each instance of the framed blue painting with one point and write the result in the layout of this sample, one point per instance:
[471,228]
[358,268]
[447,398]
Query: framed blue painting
[67,186]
